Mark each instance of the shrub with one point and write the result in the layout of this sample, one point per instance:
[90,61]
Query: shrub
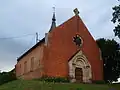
[99,82]
[54,79]
[6,77]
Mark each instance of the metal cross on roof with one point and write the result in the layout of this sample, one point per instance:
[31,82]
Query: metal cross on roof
[53,9]
[76,11]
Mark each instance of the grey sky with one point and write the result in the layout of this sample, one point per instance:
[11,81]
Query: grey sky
[23,17]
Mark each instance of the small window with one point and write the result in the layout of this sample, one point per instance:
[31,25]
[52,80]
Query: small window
[39,62]
[32,64]
[25,66]
[100,54]
[20,69]
[20,65]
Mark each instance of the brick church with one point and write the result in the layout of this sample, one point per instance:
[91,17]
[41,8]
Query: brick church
[68,50]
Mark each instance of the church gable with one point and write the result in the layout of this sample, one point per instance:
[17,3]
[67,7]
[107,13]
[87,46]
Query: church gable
[62,37]
[62,47]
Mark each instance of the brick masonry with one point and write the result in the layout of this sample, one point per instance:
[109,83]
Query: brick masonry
[54,56]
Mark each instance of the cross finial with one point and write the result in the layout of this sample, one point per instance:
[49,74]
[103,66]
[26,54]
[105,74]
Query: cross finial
[54,19]
[76,11]
[53,25]
[53,9]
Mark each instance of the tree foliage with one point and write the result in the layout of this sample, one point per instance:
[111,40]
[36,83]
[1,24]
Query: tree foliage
[111,58]
[116,20]
[7,76]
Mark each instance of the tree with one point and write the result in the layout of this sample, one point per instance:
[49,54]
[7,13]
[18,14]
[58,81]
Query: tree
[7,76]
[111,59]
[116,20]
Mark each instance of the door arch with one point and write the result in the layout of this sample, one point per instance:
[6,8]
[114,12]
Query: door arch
[80,62]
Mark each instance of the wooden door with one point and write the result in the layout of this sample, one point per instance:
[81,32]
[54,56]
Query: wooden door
[79,75]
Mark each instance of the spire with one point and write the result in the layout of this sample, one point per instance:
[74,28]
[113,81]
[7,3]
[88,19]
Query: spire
[53,25]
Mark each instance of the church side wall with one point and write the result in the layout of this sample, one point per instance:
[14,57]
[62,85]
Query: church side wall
[31,65]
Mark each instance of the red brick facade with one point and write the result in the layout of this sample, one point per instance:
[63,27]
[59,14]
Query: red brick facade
[52,59]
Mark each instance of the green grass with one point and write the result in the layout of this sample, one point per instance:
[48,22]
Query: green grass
[38,85]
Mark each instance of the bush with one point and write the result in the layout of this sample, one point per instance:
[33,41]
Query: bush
[99,82]
[54,79]
[6,77]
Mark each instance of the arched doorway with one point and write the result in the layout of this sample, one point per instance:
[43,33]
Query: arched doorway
[80,68]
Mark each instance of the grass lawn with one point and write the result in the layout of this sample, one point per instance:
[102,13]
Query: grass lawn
[38,85]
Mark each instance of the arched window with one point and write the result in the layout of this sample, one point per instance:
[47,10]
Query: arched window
[100,54]
[20,69]
[32,64]
[25,66]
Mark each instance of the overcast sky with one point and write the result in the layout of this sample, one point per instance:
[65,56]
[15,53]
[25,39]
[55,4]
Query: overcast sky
[21,19]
